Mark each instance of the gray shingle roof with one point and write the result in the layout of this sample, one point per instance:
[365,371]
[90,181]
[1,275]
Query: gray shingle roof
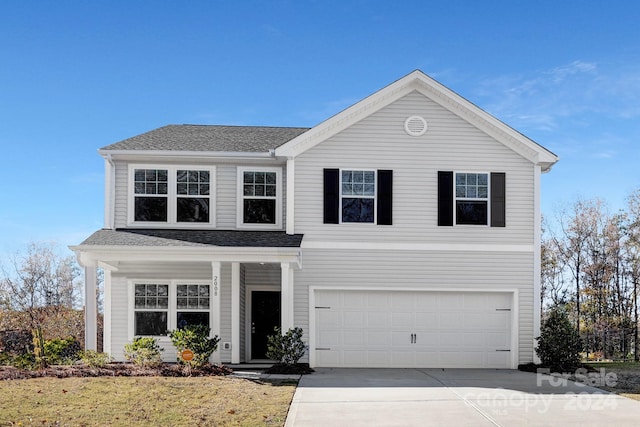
[171,238]
[210,138]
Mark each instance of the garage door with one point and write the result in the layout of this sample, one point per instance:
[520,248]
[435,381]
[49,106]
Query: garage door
[412,329]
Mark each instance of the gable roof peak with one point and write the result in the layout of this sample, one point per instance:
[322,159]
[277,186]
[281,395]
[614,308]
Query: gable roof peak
[417,80]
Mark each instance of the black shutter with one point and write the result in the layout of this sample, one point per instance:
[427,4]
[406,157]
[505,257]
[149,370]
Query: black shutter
[385,197]
[445,198]
[498,199]
[331,196]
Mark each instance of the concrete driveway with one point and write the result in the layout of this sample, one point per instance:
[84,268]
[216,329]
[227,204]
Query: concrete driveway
[453,397]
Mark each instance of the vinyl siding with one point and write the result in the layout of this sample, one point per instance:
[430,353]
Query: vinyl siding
[380,142]
[420,271]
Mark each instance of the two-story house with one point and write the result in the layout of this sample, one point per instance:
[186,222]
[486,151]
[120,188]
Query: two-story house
[402,232]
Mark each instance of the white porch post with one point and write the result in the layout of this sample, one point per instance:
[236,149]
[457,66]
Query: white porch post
[235,312]
[106,308]
[90,308]
[215,305]
[286,295]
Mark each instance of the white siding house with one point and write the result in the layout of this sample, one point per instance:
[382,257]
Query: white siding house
[402,232]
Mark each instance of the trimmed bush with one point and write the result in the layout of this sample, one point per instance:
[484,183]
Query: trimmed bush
[559,344]
[194,338]
[144,351]
[62,351]
[94,359]
[286,348]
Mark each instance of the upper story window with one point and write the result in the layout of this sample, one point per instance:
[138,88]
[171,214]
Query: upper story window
[472,198]
[260,197]
[171,195]
[466,198]
[358,195]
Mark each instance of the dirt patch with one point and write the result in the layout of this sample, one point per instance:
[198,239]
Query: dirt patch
[113,370]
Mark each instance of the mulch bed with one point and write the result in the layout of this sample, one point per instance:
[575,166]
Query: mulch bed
[297,369]
[113,370]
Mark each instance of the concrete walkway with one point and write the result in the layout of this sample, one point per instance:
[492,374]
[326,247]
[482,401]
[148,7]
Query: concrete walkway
[453,397]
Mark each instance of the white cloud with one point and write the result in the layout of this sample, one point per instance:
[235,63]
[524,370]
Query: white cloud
[546,100]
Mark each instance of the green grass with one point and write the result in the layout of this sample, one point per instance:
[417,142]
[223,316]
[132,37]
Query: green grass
[140,401]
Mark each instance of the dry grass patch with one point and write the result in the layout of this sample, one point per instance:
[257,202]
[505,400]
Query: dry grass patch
[153,401]
[627,377]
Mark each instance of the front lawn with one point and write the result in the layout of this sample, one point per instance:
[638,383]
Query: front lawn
[627,377]
[153,401]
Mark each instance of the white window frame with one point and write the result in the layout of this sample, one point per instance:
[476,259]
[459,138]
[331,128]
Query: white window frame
[172,310]
[375,196]
[172,197]
[471,199]
[240,197]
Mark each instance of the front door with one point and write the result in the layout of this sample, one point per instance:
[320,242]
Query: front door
[265,315]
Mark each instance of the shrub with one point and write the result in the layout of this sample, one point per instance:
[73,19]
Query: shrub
[144,351]
[559,344]
[286,348]
[94,358]
[62,350]
[194,338]
[22,361]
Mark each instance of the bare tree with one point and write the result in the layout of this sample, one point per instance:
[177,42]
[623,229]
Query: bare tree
[40,283]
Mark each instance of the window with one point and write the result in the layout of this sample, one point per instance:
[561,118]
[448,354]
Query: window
[150,188]
[192,303]
[192,190]
[472,198]
[175,196]
[358,195]
[151,307]
[259,197]
[162,307]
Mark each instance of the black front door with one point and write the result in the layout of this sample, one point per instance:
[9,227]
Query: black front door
[265,315]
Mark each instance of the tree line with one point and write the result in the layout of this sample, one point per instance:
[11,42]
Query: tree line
[591,267]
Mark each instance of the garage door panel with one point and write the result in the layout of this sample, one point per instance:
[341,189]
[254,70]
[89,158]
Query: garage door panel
[413,329]
[426,321]
[355,319]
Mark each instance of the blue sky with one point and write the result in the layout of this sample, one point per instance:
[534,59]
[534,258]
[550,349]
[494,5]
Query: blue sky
[79,75]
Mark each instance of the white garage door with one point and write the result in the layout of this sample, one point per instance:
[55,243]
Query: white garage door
[412,329]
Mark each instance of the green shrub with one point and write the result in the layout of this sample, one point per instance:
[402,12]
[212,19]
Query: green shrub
[144,351]
[94,358]
[286,348]
[62,351]
[22,361]
[559,344]
[194,338]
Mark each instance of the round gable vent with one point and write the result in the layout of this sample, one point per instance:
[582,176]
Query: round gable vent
[415,126]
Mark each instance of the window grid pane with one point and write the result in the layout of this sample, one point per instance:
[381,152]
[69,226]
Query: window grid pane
[194,297]
[472,186]
[150,181]
[358,183]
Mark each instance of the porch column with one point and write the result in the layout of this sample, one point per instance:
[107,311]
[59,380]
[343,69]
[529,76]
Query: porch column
[235,312]
[106,309]
[286,292]
[215,305]
[90,308]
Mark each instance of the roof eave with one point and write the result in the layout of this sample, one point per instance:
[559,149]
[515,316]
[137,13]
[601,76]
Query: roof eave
[186,154]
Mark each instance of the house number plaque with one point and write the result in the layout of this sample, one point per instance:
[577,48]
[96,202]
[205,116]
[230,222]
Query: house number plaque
[215,286]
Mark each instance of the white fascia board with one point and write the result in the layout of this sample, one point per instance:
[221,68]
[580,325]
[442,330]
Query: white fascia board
[429,247]
[113,254]
[162,154]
